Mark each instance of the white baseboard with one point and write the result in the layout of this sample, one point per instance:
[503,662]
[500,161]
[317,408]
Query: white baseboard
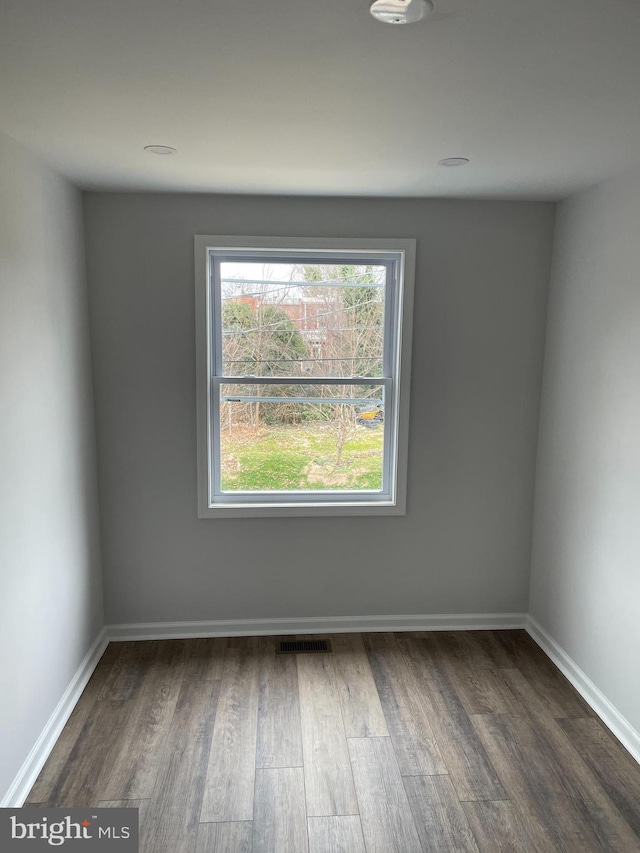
[34,762]
[314,625]
[594,697]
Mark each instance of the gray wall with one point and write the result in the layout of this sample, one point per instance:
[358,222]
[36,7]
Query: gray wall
[51,607]
[464,546]
[585,585]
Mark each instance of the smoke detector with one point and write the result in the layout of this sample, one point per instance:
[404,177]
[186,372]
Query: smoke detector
[400,11]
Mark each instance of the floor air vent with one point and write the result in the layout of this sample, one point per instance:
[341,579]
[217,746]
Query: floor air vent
[295,647]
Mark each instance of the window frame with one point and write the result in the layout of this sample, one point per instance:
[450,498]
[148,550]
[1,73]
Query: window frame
[399,255]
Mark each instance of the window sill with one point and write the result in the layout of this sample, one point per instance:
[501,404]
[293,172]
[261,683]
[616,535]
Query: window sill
[309,510]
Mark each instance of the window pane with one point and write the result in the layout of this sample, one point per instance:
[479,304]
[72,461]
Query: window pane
[297,319]
[301,438]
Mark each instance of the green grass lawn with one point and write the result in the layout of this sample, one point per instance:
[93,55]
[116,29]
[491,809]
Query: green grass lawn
[300,457]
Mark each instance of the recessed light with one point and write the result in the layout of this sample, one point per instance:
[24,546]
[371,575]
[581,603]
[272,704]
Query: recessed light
[453,161]
[159,149]
[400,11]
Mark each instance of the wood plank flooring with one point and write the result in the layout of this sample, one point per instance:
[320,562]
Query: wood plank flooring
[465,742]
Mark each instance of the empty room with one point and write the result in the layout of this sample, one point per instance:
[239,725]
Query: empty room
[320,426]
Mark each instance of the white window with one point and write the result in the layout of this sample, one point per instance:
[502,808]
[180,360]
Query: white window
[303,356]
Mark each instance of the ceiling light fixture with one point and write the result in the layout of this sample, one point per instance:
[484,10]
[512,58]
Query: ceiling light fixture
[400,11]
[159,149]
[453,161]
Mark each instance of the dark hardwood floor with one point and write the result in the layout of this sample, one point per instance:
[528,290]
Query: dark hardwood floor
[393,743]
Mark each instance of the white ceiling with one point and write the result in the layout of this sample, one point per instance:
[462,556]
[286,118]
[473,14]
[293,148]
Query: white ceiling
[316,97]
